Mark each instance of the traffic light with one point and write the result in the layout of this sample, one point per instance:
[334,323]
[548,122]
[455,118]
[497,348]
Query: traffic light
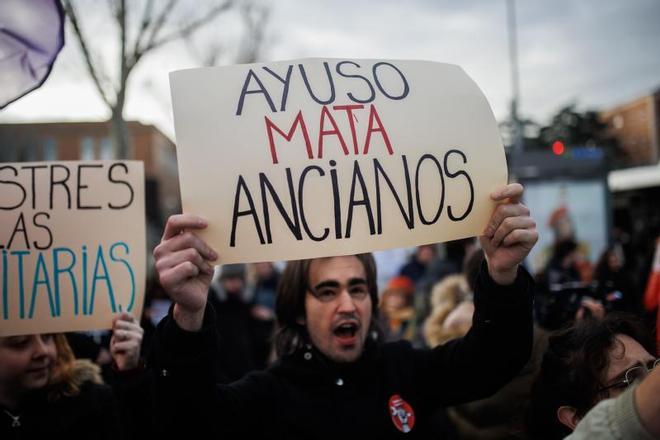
[558,148]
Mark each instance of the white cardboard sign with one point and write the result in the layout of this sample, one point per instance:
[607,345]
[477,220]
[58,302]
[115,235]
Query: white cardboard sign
[320,157]
[73,245]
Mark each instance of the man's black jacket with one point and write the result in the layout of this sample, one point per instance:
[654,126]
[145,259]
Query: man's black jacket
[306,396]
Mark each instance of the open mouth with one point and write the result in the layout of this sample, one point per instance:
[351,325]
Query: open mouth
[346,332]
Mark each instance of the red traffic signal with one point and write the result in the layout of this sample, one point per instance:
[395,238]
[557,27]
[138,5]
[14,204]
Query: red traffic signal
[558,148]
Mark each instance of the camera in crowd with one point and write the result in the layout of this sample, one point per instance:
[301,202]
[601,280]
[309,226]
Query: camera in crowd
[558,303]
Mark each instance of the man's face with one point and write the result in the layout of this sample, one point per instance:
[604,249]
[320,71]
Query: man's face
[338,307]
[26,362]
[624,354]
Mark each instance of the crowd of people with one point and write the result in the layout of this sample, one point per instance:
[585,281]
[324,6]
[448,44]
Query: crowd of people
[458,342]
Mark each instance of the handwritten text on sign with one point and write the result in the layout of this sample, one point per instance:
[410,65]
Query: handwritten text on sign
[73,245]
[317,157]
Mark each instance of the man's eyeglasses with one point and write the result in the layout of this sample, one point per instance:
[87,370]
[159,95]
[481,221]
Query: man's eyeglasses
[633,374]
[328,293]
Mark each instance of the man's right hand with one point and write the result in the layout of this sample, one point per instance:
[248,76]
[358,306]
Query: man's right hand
[183,268]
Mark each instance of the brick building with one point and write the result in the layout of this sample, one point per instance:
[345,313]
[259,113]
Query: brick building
[90,141]
[636,127]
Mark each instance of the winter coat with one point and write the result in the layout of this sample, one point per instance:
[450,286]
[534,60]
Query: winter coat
[390,392]
[92,414]
[612,419]
[243,340]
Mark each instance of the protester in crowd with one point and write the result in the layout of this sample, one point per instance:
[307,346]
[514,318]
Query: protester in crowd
[243,338]
[446,263]
[451,311]
[452,304]
[456,253]
[590,361]
[632,415]
[614,284]
[416,269]
[389,263]
[563,265]
[419,261]
[262,280]
[130,379]
[93,345]
[397,311]
[332,375]
[45,392]
[652,293]
[563,295]
[564,230]
[497,416]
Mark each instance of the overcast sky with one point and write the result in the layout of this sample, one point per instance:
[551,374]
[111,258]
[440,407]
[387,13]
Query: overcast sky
[599,53]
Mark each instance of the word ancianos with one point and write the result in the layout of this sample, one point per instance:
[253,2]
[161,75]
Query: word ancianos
[291,207]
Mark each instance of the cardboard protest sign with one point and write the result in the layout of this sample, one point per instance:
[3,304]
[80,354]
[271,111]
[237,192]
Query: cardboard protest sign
[321,157]
[73,245]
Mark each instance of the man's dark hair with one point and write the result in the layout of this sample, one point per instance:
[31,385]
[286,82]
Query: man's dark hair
[573,368]
[290,302]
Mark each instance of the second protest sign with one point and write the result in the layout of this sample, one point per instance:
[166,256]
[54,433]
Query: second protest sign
[73,245]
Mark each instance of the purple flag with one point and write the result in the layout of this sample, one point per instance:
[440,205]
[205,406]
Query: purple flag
[31,36]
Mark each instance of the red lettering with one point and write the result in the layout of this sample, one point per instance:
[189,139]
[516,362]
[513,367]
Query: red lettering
[335,131]
[328,127]
[288,136]
[349,114]
[373,117]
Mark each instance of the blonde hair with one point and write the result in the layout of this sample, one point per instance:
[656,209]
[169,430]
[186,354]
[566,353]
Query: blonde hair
[445,297]
[69,373]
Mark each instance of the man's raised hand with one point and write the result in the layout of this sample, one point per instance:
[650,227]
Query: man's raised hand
[510,235]
[184,269]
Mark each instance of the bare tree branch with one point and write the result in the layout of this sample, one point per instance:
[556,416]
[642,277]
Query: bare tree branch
[158,24]
[137,36]
[123,67]
[209,55]
[145,22]
[192,26]
[254,17]
[86,53]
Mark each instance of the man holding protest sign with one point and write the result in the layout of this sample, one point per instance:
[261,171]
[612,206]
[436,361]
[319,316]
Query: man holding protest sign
[324,161]
[333,377]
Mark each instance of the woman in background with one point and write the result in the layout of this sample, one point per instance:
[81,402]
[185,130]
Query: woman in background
[45,391]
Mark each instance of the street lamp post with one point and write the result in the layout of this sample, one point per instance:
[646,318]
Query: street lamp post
[516,125]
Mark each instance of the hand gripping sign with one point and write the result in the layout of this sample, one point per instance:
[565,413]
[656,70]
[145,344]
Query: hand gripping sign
[320,157]
[72,245]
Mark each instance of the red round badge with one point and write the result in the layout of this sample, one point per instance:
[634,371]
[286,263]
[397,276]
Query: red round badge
[402,414]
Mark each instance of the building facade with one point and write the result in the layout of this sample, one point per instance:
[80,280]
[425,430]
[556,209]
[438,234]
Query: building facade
[91,141]
[636,127]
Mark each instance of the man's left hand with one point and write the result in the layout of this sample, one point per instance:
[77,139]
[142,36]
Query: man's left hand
[510,235]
